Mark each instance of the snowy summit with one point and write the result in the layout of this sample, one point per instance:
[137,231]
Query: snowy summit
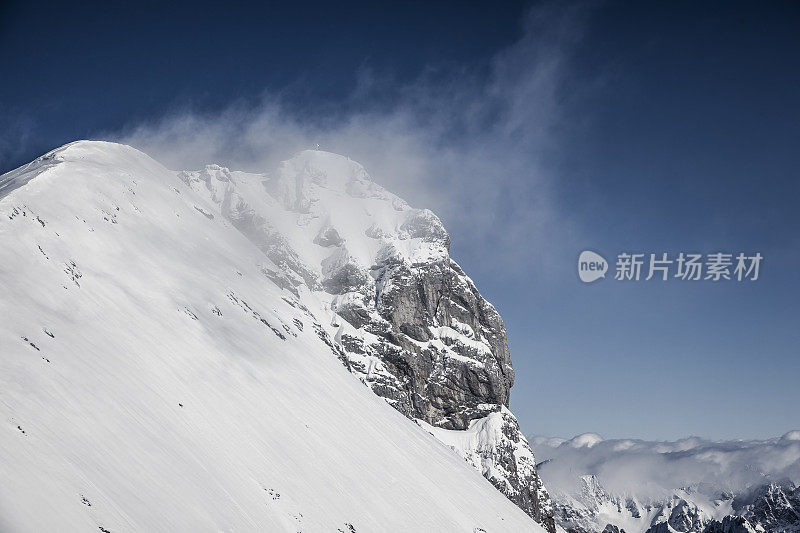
[188,351]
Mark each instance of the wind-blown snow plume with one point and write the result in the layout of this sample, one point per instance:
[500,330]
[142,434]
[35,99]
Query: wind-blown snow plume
[456,140]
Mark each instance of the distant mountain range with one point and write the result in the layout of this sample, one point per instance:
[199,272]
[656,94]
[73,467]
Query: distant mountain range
[691,485]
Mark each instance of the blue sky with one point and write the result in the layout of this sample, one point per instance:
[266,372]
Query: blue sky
[535,131]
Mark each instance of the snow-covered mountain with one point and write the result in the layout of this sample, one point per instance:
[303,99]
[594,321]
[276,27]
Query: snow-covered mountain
[691,485]
[187,351]
[404,317]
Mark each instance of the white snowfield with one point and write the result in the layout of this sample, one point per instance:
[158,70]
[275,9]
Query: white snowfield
[152,378]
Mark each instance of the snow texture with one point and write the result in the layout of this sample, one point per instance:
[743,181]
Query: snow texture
[164,370]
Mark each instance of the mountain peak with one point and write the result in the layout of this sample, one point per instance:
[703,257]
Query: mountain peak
[84,153]
[315,169]
[175,341]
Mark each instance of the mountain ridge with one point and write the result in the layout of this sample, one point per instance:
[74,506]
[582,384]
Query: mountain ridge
[161,371]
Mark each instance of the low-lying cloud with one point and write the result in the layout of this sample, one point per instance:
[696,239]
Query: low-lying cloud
[648,469]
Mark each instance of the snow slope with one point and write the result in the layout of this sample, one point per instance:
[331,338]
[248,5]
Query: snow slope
[154,378]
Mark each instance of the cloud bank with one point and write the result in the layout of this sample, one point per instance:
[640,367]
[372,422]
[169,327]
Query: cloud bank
[653,470]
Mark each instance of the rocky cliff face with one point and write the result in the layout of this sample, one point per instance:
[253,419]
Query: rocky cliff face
[771,507]
[768,508]
[404,317]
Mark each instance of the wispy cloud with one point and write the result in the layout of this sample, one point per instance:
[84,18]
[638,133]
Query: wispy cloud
[470,142]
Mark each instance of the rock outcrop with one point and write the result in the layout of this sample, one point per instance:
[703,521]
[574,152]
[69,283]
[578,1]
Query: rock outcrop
[772,507]
[404,316]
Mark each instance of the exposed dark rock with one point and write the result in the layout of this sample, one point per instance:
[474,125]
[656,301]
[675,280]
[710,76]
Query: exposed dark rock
[328,237]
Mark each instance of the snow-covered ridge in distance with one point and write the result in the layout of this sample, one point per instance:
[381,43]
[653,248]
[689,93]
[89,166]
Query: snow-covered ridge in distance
[689,485]
[172,360]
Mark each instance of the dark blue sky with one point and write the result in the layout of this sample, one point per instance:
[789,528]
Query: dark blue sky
[656,127]
[69,72]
